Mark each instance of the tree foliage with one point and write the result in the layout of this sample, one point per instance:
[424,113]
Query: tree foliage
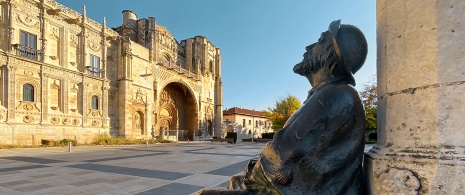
[369,97]
[283,109]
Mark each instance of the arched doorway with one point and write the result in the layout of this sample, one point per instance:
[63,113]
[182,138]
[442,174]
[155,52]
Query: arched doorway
[178,109]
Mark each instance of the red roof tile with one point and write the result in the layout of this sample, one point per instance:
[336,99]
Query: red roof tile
[241,111]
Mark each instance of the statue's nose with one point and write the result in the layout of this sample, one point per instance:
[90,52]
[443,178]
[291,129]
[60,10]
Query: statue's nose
[310,47]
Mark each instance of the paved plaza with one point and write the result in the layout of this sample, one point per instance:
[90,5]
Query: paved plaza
[176,168]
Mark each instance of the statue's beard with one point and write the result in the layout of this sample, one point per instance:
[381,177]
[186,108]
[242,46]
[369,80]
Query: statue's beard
[313,63]
[308,66]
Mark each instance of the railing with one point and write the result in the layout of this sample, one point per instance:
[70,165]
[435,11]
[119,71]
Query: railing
[175,135]
[181,70]
[27,52]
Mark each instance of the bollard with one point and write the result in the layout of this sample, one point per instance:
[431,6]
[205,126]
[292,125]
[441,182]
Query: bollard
[187,140]
[69,146]
[147,144]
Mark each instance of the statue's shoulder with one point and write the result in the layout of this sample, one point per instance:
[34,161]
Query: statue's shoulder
[339,90]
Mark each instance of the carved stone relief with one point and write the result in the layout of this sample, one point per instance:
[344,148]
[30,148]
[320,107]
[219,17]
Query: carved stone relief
[95,123]
[28,106]
[28,119]
[73,40]
[55,33]
[28,20]
[398,181]
[67,121]
[28,73]
[55,120]
[76,122]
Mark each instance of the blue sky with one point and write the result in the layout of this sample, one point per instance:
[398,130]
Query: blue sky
[260,40]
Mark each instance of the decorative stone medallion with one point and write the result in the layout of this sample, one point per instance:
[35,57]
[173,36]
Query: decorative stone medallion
[28,73]
[95,123]
[55,120]
[66,121]
[76,122]
[28,119]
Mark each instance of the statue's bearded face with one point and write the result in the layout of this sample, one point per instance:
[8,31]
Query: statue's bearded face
[316,55]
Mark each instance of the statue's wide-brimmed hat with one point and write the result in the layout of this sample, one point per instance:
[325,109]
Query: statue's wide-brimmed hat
[350,45]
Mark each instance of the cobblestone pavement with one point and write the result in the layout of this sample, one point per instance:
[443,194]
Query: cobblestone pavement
[180,168]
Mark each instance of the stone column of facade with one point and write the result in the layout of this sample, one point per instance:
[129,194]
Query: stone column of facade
[64,36]
[11,21]
[43,30]
[125,89]
[11,90]
[44,96]
[421,89]
[105,108]
[84,100]
[104,49]
[65,95]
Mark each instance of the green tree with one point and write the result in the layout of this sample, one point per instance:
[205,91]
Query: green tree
[369,98]
[283,109]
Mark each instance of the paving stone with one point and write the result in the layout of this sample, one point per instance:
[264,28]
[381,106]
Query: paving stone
[5,190]
[230,170]
[205,180]
[33,159]
[132,171]
[34,188]
[173,188]
[43,175]
[15,183]
[20,168]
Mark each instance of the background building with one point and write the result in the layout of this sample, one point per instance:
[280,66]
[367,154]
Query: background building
[246,122]
[63,75]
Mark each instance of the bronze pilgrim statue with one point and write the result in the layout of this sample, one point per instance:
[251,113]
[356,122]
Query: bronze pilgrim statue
[320,148]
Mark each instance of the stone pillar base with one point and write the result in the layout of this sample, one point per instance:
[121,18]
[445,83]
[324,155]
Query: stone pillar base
[414,170]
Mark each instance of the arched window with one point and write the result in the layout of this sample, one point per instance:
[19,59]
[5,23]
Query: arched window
[95,102]
[166,60]
[211,66]
[28,92]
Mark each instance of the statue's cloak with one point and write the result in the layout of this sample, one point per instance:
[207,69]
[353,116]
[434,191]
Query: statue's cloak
[318,151]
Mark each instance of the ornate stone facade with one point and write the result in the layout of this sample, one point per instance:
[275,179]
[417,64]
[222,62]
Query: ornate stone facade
[63,75]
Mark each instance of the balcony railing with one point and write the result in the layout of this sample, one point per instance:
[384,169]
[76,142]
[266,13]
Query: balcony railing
[27,52]
[181,70]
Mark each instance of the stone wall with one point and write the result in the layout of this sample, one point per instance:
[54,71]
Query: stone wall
[73,99]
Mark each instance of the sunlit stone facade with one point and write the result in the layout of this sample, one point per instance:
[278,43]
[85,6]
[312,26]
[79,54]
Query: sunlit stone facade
[63,75]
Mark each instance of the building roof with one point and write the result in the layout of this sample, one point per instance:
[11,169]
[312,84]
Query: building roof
[242,111]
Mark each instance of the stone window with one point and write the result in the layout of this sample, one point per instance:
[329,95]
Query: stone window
[250,122]
[28,93]
[166,60]
[243,122]
[211,66]
[28,45]
[95,102]
[94,68]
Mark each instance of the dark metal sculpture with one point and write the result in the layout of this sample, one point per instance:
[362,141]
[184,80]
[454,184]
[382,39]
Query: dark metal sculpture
[320,148]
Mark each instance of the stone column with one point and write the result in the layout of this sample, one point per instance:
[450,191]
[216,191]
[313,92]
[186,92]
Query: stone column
[421,76]
[44,97]
[11,83]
